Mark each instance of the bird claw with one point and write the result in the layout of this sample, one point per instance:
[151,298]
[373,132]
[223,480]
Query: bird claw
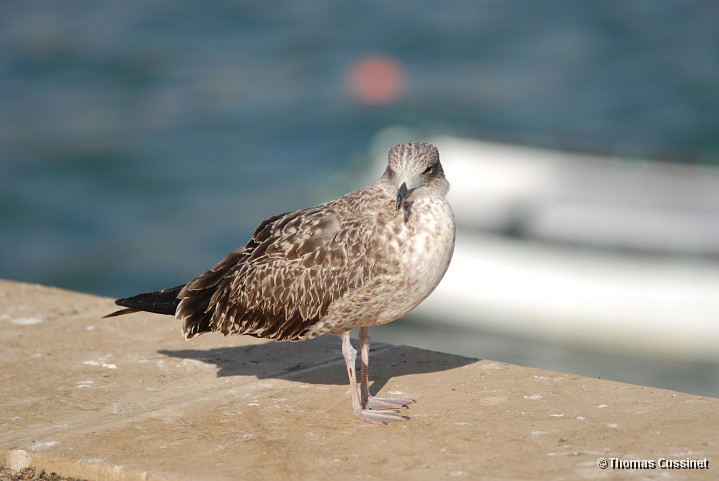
[379,417]
[377,410]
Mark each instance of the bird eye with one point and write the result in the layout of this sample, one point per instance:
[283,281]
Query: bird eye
[429,169]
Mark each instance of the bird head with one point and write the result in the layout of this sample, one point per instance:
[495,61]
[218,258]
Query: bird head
[414,170]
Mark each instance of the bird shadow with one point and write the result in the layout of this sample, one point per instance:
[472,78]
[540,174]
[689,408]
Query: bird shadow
[319,361]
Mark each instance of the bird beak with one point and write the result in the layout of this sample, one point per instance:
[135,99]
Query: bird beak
[401,194]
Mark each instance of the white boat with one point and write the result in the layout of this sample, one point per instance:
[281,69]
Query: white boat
[615,255]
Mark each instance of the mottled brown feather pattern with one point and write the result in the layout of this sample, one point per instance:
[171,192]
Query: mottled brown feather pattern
[284,279]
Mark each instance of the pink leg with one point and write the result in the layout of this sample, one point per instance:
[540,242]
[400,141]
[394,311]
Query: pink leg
[367,415]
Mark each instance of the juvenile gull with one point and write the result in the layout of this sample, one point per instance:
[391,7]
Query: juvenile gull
[364,259]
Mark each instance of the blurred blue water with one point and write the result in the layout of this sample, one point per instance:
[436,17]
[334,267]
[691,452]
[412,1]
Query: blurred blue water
[141,141]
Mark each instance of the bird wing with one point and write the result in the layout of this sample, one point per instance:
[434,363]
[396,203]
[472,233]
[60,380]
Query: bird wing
[284,279]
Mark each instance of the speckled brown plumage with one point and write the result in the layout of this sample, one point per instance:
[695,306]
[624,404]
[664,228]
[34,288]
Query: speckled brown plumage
[364,259]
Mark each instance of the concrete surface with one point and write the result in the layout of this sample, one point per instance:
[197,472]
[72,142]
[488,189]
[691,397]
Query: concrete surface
[128,399]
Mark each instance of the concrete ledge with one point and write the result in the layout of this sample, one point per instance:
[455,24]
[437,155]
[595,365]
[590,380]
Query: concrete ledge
[128,399]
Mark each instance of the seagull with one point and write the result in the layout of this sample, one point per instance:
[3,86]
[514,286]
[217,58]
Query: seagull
[362,260]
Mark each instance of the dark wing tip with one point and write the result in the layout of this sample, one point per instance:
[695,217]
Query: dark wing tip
[120,312]
[158,302]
